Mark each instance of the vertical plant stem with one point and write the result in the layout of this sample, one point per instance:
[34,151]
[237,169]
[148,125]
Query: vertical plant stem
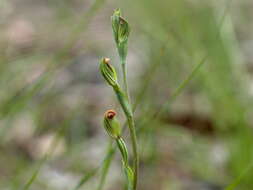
[126,106]
[130,120]
[132,130]
[131,125]
[125,85]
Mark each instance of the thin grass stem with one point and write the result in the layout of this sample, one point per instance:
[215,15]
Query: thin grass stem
[238,180]
[106,165]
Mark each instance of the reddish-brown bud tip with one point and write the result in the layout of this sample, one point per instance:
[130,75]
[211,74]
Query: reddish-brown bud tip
[110,114]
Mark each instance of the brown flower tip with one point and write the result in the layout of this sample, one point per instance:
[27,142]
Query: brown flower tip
[110,114]
[106,60]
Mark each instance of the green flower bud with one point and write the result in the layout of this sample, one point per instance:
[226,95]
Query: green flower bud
[111,125]
[121,32]
[108,72]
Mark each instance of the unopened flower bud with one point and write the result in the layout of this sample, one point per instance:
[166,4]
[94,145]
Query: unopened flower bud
[108,72]
[121,32]
[111,124]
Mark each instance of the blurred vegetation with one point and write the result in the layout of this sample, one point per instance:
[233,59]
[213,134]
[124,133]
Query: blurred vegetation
[190,72]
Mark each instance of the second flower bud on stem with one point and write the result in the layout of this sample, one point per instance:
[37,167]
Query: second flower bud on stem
[113,129]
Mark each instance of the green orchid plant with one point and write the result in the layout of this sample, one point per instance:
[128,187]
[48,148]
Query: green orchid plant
[121,31]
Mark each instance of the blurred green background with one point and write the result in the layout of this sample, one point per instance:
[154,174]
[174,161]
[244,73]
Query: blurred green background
[189,60]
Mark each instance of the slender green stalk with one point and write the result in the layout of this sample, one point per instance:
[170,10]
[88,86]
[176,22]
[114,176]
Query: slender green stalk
[132,130]
[86,177]
[125,84]
[126,106]
[238,180]
[106,166]
[35,174]
[127,169]
[179,89]
[45,158]
[135,150]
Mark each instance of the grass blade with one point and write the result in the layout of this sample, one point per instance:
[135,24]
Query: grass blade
[106,165]
[86,178]
[238,180]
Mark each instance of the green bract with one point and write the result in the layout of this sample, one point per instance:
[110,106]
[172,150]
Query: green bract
[123,149]
[121,32]
[108,72]
[130,176]
[111,125]
[115,23]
